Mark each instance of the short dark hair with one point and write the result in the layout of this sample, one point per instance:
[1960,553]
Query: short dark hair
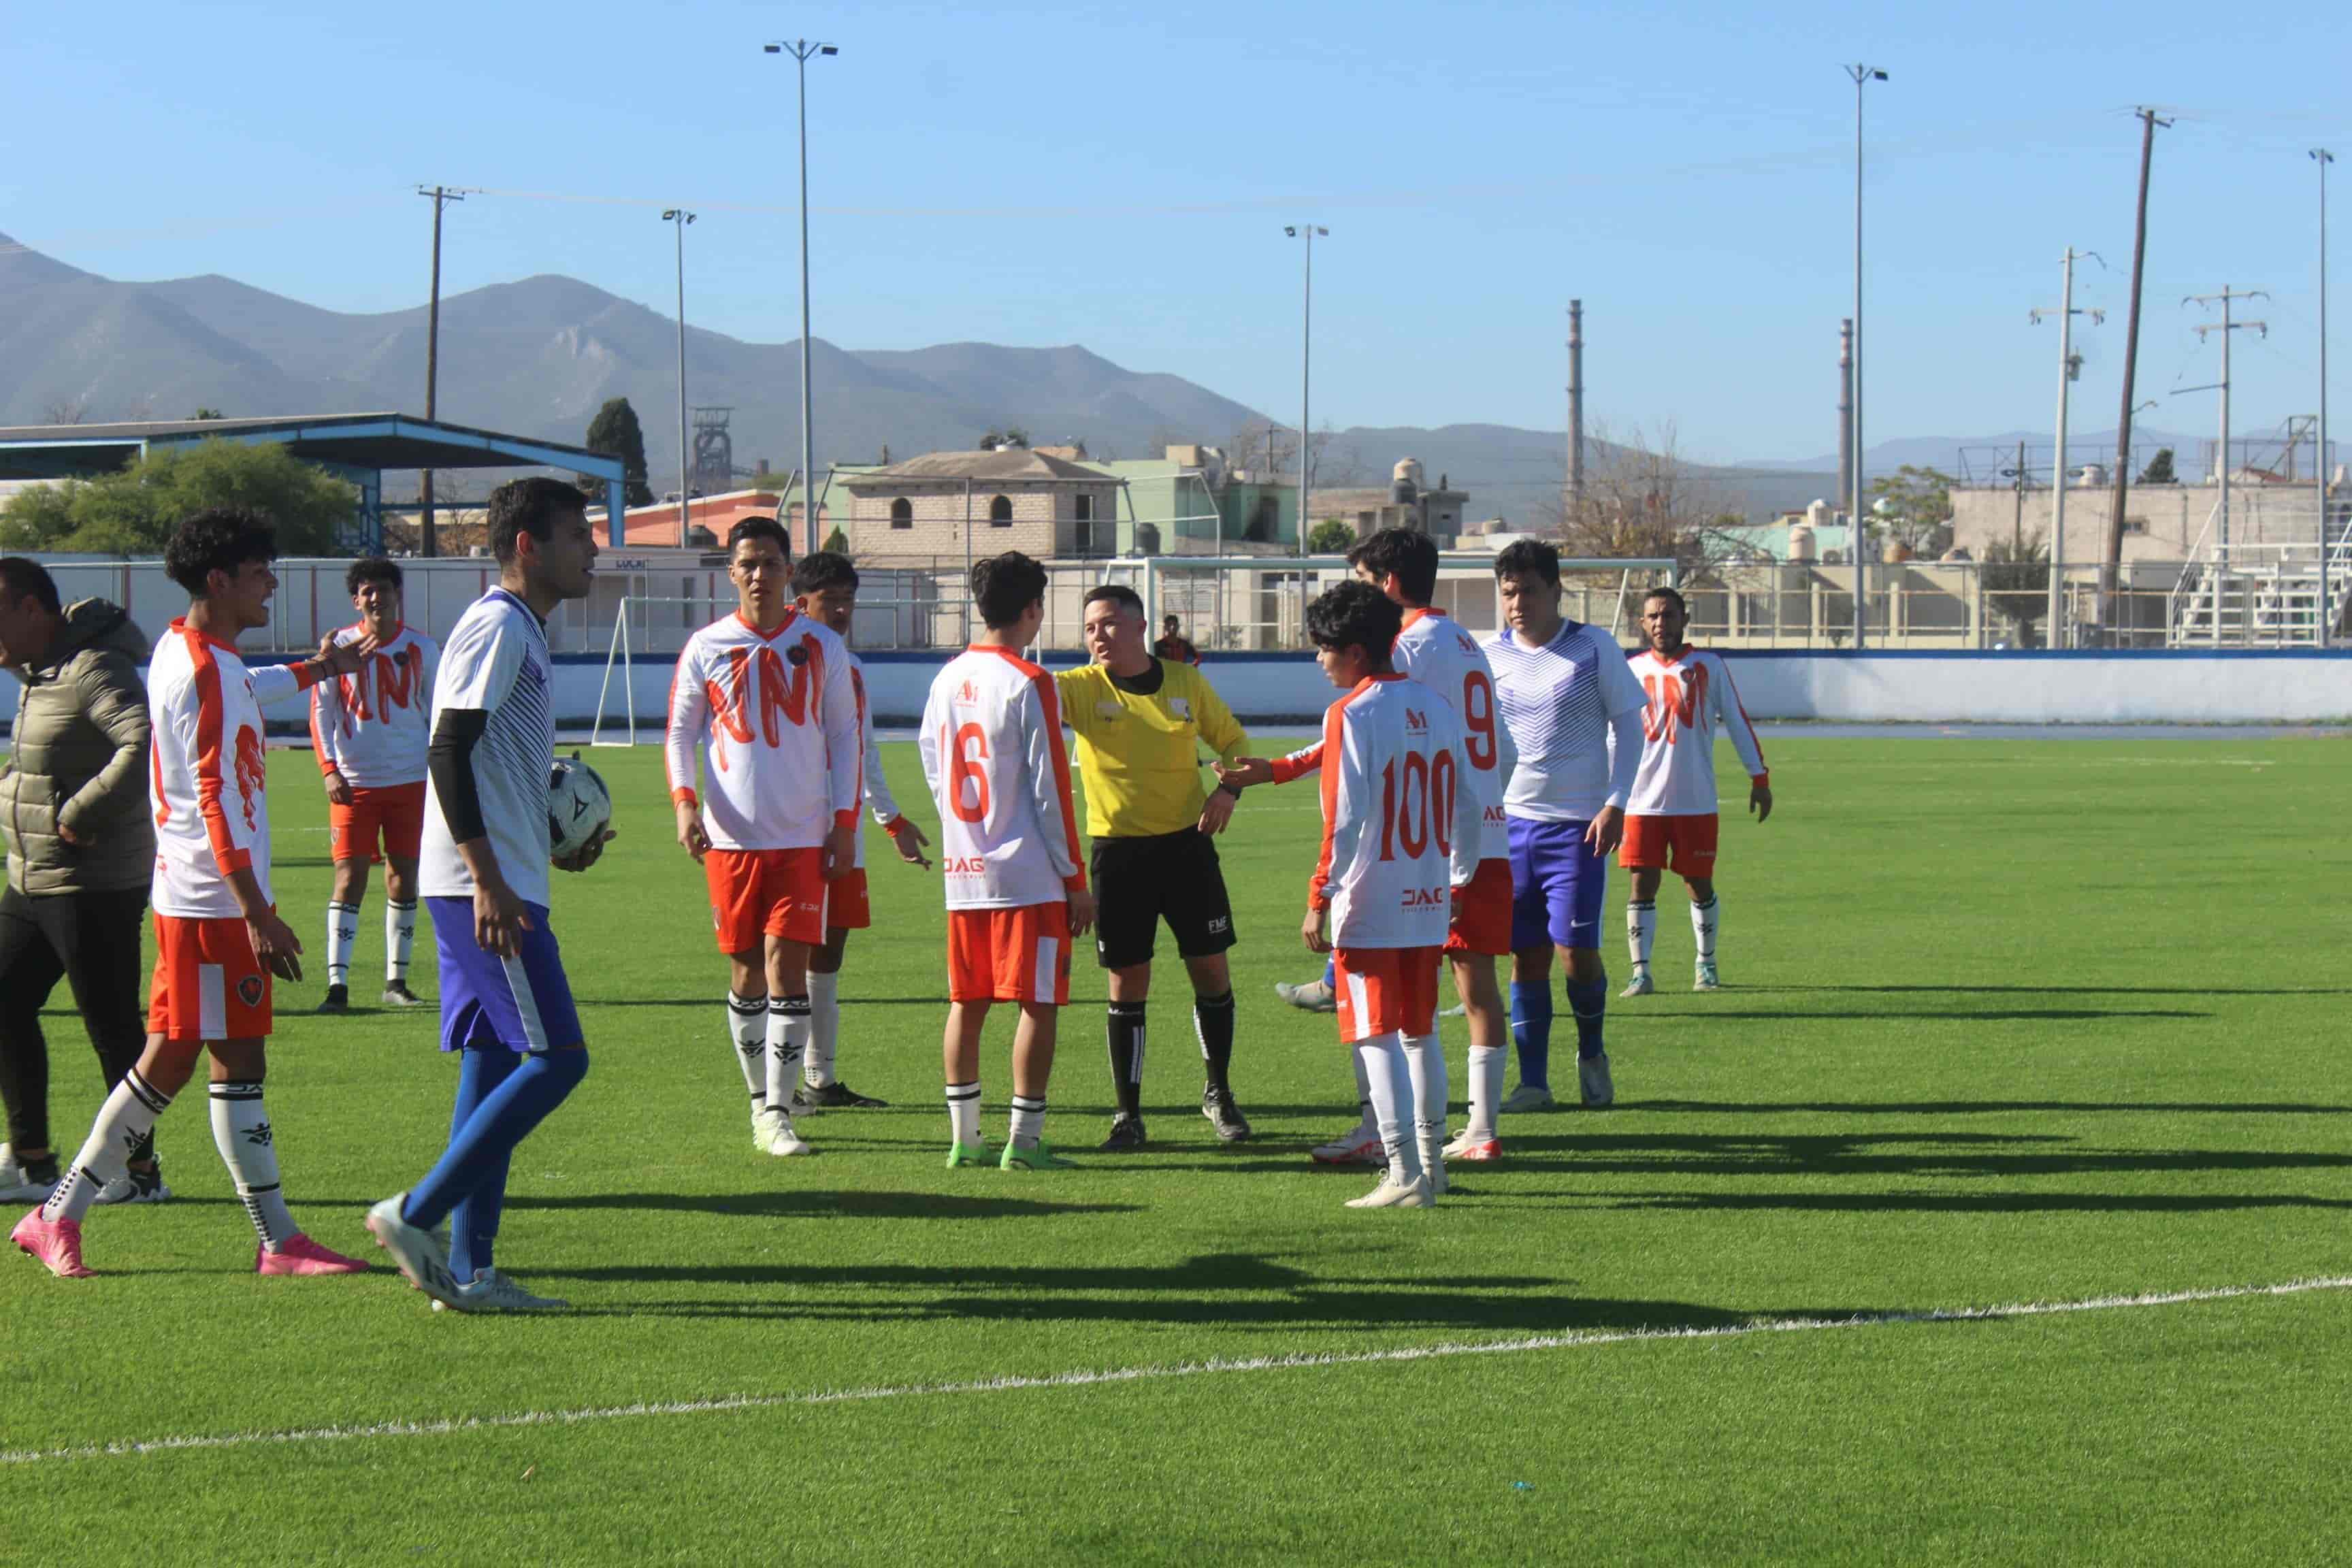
[820,570]
[1170,622]
[763,528]
[1529,557]
[21,577]
[1357,614]
[1004,586]
[218,539]
[372,568]
[529,506]
[1663,592]
[1412,556]
[1118,593]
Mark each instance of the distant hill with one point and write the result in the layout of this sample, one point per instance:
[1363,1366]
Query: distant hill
[1944,452]
[537,356]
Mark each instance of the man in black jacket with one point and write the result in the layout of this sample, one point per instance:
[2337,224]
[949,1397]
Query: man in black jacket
[73,801]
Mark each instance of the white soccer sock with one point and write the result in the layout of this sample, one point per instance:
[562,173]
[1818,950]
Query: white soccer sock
[1488,1065]
[399,939]
[747,1026]
[1391,1091]
[788,1033]
[825,1027]
[1425,1059]
[123,1123]
[1641,930]
[1028,1120]
[1366,1120]
[963,1114]
[342,935]
[1705,918]
[241,1132]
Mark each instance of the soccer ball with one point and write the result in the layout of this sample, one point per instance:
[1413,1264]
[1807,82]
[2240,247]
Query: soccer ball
[579,807]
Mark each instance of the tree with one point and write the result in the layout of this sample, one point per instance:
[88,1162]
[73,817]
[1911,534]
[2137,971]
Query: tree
[1641,500]
[1332,536]
[2159,470]
[208,415]
[1010,435]
[1919,514]
[617,433]
[837,542]
[132,513]
[2017,582]
[66,411]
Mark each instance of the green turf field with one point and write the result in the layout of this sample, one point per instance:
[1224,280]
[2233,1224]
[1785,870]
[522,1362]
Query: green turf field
[2005,1023]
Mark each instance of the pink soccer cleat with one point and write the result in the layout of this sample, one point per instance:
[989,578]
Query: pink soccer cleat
[56,1243]
[1358,1146]
[1474,1149]
[300,1254]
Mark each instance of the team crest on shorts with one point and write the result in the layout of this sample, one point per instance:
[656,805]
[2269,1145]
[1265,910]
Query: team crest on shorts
[248,990]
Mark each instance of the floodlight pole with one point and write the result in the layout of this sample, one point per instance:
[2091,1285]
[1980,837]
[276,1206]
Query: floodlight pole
[1861,74]
[677,218]
[426,540]
[1306,368]
[2323,157]
[801,49]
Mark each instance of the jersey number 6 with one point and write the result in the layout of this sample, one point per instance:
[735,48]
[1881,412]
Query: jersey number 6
[966,752]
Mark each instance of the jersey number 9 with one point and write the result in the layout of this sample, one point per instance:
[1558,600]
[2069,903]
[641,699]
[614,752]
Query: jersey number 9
[1478,720]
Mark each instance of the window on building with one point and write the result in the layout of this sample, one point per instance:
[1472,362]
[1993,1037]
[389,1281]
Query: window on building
[1000,512]
[2135,524]
[1083,506]
[902,514]
[1266,522]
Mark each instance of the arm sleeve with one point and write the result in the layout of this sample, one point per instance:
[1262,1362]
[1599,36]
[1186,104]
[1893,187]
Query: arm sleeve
[1624,755]
[326,725]
[1736,724]
[926,749]
[1070,695]
[1468,816]
[1297,765]
[1217,724]
[220,832]
[689,715]
[878,798]
[1048,761]
[111,695]
[845,737]
[450,761]
[1343,797]
[277,682]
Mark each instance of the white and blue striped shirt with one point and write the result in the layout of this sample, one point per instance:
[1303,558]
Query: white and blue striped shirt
[496,663]
[1557,701]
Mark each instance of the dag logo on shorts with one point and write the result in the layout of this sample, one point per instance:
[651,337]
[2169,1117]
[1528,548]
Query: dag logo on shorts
[248,990]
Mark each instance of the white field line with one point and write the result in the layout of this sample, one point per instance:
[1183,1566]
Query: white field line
[1087,1379]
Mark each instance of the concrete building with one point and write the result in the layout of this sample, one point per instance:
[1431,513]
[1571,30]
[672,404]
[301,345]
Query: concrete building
[1405,502]
[1191,502]
[1016,498]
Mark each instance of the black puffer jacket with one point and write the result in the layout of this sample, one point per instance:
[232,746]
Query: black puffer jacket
[78,756]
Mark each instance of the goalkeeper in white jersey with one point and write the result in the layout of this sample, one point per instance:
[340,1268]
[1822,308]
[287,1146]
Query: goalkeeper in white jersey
[1670,817]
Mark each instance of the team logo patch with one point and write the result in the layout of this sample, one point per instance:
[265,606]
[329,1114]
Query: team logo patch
[1106,709]
[1181,705]
[248,990]
[796,655]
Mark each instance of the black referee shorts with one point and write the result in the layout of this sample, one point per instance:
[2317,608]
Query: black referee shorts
[1172,877]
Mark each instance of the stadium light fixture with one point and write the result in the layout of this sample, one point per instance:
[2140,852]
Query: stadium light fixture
[801,49]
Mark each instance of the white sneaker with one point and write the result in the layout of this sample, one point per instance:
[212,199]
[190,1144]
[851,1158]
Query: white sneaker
[416,1252]
[1707,980]
[1309,996]
[134,1186]
[783,1140]
[16,1187]
[1360,1145]
[491,1291]
[1592,1079]
[1394,1194]
[1456,1011]
[1528,1097]
[1639,986]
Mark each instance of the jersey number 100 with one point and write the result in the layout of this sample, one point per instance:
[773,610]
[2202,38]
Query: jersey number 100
[1417,805]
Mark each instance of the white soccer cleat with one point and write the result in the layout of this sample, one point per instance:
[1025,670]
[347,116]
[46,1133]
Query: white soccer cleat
[1394,1194]
[491,1291]
[1358,1146]
[764,1121]
[1479,1147]
[1707,980]
[1639,986]
[17,1184]
[1592,1081]
[783,1140]
[417,1252]
[1528,1097]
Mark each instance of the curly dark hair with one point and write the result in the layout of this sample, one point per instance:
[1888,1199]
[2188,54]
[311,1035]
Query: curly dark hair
[529,506]
[1412,556]
[822,569]
[1004,586]
[372,568]
[1355,615]
[218,538]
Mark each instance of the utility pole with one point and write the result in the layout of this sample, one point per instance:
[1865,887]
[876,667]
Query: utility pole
[1859,531]
[426,542]
[677,218]
[2225,327]
[2326,615]
[1575,406]
[1306,368]
[1845,408]
[2070,365]
[2111,570]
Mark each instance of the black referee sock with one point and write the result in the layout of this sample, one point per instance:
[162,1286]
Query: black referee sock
[1125,1032]
[1212,1020]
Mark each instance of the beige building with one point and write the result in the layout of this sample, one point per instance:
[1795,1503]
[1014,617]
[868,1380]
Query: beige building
[2161,522]
[1016,498]
[1404,502]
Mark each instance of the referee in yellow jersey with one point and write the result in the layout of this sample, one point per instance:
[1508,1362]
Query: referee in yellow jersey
[1142,722]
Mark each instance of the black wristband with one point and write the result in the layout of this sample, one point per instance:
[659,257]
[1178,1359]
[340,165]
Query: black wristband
[1229,787]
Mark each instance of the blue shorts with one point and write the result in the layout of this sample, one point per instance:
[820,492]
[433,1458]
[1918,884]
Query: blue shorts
[1557,881]
[522,1003]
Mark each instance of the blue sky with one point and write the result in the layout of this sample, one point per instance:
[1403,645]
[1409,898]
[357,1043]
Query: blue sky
[1042,175]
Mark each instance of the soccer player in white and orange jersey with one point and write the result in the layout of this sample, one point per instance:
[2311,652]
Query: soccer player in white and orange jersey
[1400,834]
[764,700]
[824,586]
[1016,881]
[217,935]
[368,731]
[1670,817]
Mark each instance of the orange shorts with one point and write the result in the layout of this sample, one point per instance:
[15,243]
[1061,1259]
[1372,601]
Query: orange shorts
[1684,844]
[1481,915]
[1381,989]
[208,986]
[1010,955]
[757,893]
[848,909]
[389,815]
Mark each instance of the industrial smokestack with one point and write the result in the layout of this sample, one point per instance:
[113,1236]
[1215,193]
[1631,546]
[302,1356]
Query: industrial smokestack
[1845,408]
[1575,403]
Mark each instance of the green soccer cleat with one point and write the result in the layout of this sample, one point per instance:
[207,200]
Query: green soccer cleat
[967,1156]
[1038,1156]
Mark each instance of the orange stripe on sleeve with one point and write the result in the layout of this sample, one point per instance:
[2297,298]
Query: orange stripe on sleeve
[1049,695]
[210,715]
[1334,750]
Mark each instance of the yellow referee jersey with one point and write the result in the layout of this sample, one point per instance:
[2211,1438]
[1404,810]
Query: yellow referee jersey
[1140,754]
